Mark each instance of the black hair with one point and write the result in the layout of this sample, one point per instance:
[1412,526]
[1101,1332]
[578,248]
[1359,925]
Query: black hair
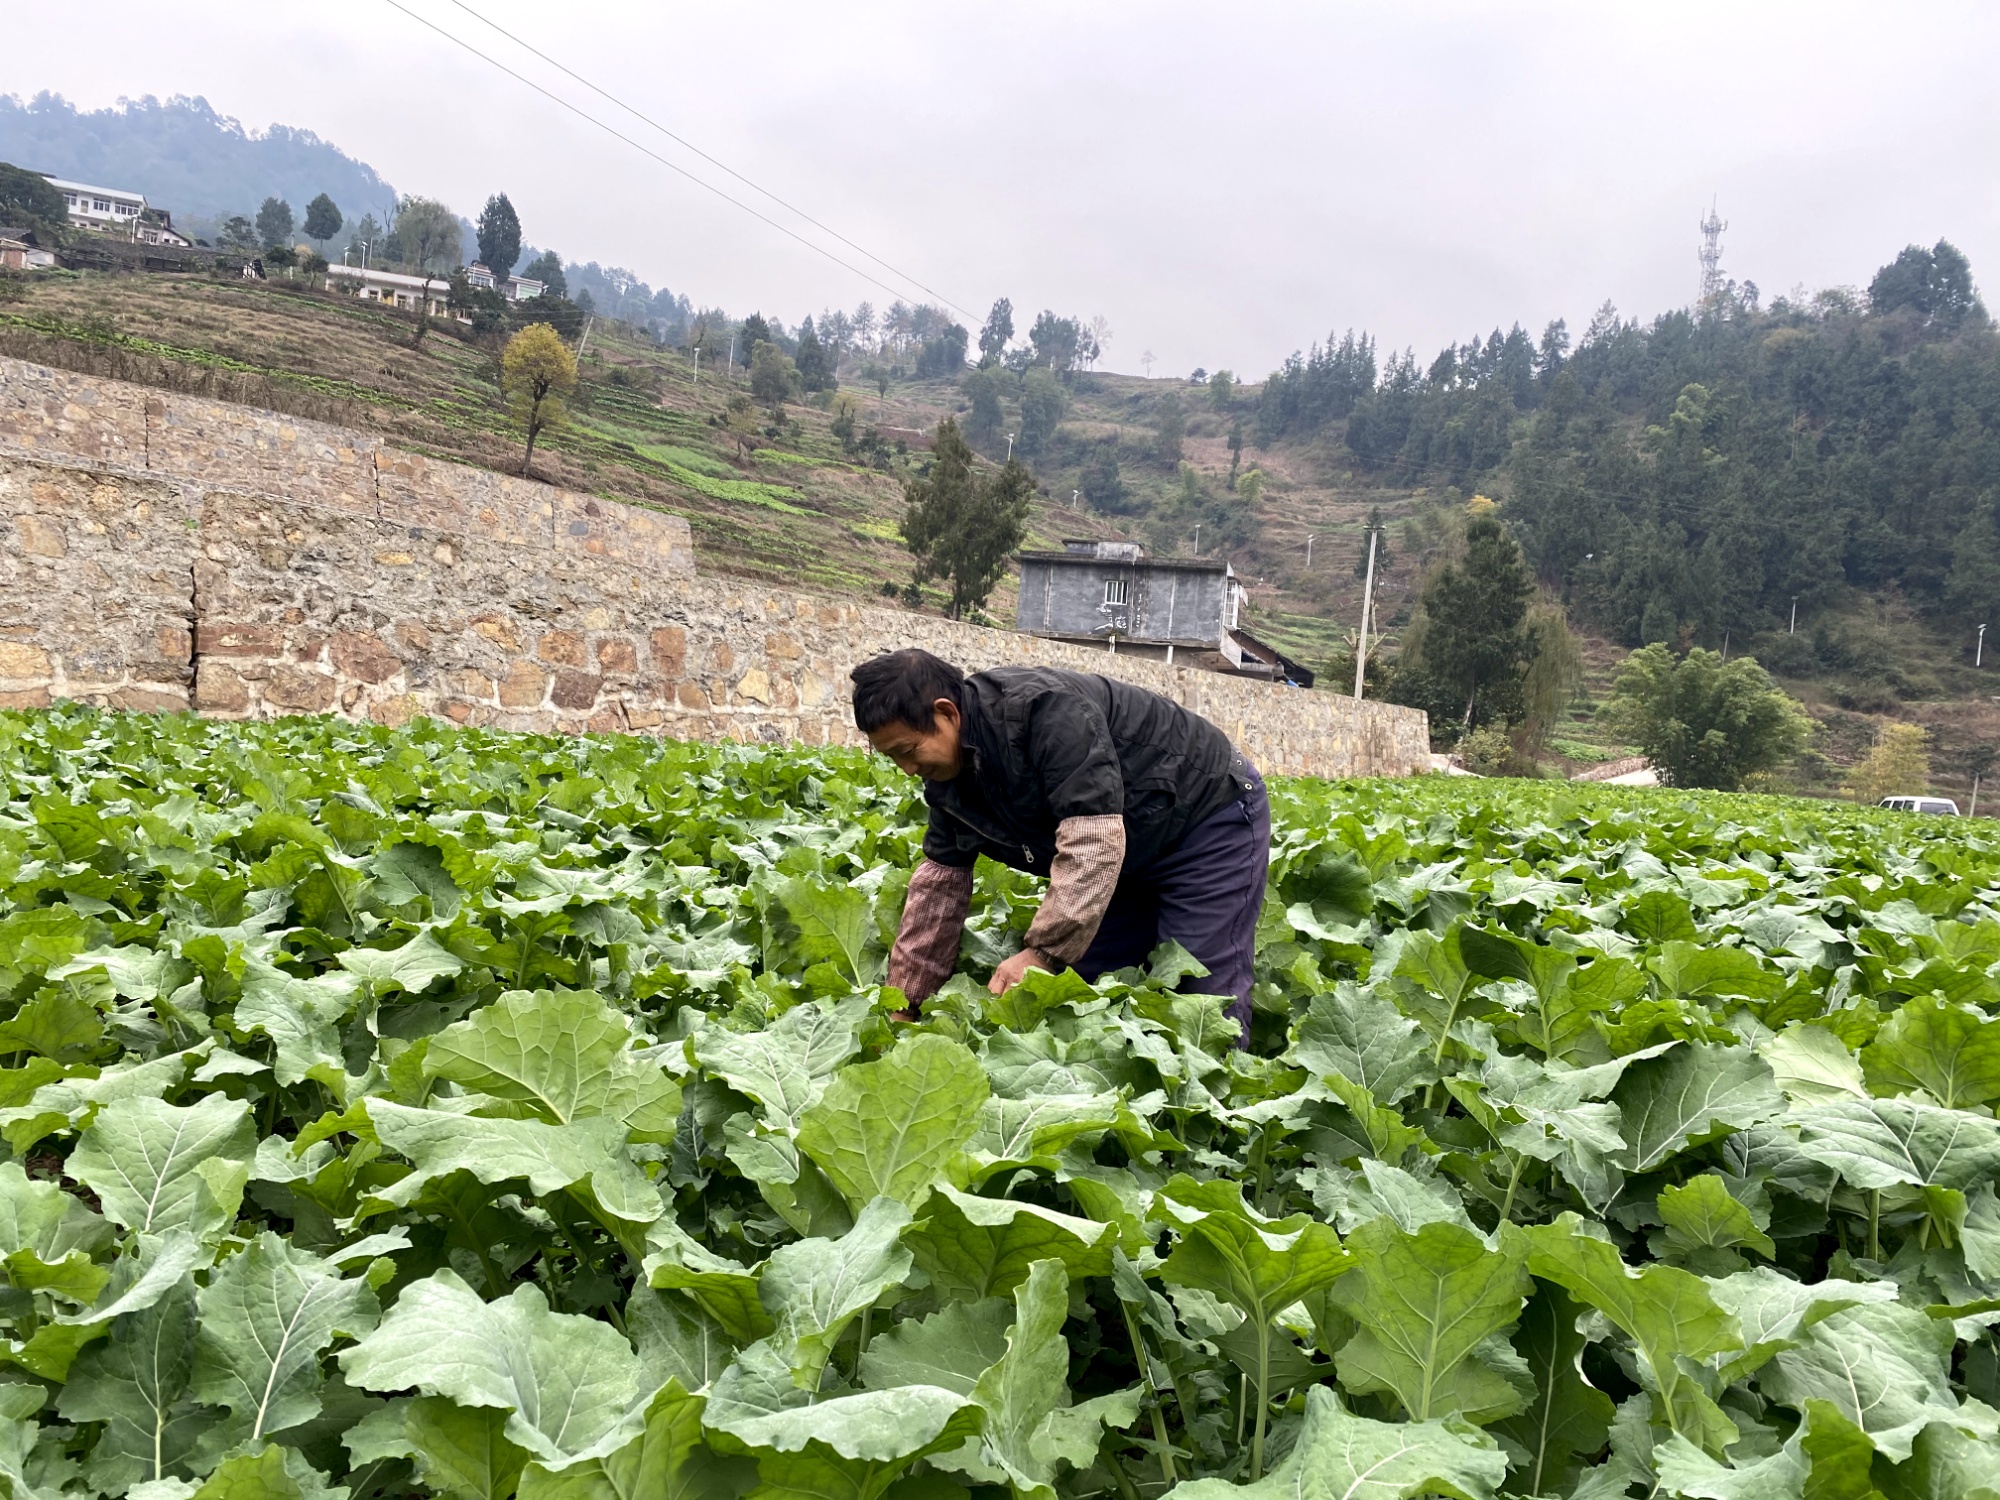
[901,687]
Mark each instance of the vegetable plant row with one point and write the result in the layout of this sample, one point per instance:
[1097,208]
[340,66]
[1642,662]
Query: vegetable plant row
[439,1112]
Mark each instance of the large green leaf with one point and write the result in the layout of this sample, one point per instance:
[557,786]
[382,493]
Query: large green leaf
[136,1385]
[461,1451]
[972,1247]
[1259,1266]
[144,1158]
[302,1019]
[1950,1052]
[1670,1316]
[1693,1092]
[666,1461]
[1031,1425]
[887,1129]
[1879,1143]
[1364,1038]
[786,1066]
[265,1317]
[951,1348]
[49,1238]
[564,1056]
[570,1384]
[550,1157]
[814,1288]
[1567,1416]
[1700,1214]
[1884,1367]
[1340,1456]
[1426,1302]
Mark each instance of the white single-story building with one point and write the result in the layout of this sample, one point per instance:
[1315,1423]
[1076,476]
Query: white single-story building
[514,288]
[392,287]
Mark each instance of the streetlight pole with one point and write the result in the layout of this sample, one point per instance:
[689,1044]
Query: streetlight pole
[1979,648]
[694,363]
[1010,447]
[1367,600]
[1197,539]
[1309,551]
[1795,616]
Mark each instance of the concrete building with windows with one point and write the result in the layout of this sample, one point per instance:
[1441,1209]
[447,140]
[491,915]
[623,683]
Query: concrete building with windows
[392,287]
[513,288]
[99,207]
[1186,610]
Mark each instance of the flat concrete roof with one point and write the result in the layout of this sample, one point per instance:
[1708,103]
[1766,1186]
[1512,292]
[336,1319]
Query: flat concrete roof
[1086,560]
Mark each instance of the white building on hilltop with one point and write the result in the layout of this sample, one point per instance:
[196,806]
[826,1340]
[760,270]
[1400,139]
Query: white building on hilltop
[99,207]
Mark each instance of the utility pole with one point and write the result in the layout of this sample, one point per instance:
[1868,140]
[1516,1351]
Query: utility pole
[584,342]
[1309,551]
[729,375]
[1795,616]
[1367,601]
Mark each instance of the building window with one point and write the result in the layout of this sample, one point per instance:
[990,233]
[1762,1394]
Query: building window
[100,206]
[1114,591]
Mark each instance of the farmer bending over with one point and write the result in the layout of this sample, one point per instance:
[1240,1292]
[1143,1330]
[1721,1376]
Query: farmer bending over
[1147,822]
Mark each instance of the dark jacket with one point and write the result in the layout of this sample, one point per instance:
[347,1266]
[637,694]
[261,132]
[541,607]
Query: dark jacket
[1043,745]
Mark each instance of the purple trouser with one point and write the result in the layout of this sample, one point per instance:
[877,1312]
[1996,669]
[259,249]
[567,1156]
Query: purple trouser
[1204,895]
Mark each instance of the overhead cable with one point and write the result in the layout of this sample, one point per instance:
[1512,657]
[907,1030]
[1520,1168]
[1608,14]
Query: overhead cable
[681,140]
[671,166]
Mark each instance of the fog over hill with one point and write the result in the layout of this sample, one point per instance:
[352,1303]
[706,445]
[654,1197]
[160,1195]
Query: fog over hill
[185,157]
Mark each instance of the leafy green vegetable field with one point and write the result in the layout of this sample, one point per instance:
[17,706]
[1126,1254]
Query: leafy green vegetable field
[437,1112]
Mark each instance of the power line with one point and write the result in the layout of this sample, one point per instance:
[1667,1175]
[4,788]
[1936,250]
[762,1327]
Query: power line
[617,134]
[712,161]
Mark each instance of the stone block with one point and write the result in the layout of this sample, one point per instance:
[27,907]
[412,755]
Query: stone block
[233,638]
[575,690]
[609,719]
[499,630]
[524,686]
[670,645]
[363,656]
[561,648]
[616,653]
[37,697]
[690,695]
[396,711]
[299,690]
[218,689]
[755,687]
[440,496]
[779,646]
[643,718]
[41,536]
[19,660]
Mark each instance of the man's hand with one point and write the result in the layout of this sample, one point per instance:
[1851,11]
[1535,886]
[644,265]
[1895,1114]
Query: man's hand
[1009,973]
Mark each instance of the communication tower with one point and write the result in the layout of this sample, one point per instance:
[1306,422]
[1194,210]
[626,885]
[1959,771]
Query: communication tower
[1711,254]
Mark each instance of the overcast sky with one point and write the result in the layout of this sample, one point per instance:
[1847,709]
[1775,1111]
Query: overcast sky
[1222,182]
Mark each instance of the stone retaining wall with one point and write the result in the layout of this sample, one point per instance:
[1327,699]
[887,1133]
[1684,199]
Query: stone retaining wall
[167,552]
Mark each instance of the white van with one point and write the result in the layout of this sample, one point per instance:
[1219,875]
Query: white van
[1937,807]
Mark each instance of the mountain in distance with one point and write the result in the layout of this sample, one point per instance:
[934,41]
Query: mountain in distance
[185,157]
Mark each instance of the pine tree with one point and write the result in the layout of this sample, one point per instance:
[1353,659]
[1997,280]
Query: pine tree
[963,528]
[499,232]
